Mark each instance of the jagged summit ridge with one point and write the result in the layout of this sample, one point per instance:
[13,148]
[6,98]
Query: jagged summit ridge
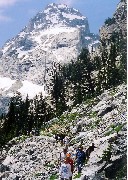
[53,17]
[56,15]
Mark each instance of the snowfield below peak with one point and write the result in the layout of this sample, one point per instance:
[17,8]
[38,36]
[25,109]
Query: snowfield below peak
[9,87]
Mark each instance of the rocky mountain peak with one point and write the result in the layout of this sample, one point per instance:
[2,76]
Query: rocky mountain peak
[118,23]
[56,34]
[58,15]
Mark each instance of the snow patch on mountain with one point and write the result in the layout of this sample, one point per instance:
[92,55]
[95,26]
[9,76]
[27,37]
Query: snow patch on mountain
[6,83]
[9,87]
[71,16]
[31,89]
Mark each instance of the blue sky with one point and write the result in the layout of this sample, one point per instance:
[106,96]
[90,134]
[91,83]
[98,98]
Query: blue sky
[15,14]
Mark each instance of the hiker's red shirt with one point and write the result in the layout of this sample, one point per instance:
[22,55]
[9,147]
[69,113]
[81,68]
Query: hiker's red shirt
[70,161]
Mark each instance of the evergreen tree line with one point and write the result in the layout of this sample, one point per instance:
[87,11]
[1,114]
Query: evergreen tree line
[24,116]
[89,76]
[71,84]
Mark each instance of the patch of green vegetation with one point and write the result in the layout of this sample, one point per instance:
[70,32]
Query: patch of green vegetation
[73,116]
[94,124]
[21,138]
[93,114]
[45,133]
[77,176]
[73,141]
[107,154]
[54,176]
[69,117]
[112,93]
[112,126]
[109,21]
[62,117]
[91,125]
[38,174]
[49,165]
[109,132]
[62,123]
[118,128]
[110,129]
[115,128]
[97,121]
[89,101]
[121,173]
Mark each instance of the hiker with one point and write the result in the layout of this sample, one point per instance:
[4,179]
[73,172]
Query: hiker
[62,136]
[80,158]
[70,161]
[66,141]
[62,155]
[56,137]
[74,130]
[89,150]
[65,170]
[79,128]
[33,132]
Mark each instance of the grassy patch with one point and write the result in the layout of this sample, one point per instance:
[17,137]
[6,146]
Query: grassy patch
[21,138]
[61,125]
[77,176]
[118,128]
[68,117]
[115,128]
[89,101]
[45,133]
[38,174]
[50,165]
[54,176]
[73,141]
[93,114]
[112,93]
[108,133]
[107,154]
[94,124]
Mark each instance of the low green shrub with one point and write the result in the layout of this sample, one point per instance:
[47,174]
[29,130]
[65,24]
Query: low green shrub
[109,21]
[93,114]
[77,176]
[107,154]
[109,132]
[21,138]
[50,165]
[54,176]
